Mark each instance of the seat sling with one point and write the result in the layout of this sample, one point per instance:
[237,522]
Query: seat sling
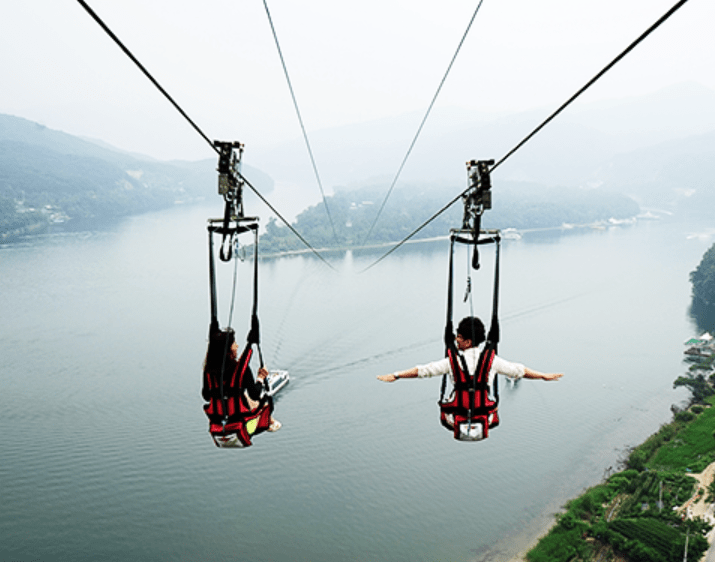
[471,411]
[232,419]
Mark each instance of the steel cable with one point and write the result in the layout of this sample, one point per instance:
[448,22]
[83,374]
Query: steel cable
[151,78]
[300,120]
[610,65]
[422,124]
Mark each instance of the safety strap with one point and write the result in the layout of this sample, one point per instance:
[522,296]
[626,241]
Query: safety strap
[231,232]
[490,346]
[253,337]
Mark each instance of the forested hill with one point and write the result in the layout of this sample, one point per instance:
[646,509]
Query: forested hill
[703,280]
[515,205]
[49,176]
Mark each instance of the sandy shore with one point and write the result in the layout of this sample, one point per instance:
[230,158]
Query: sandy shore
[526,546]
[515,547]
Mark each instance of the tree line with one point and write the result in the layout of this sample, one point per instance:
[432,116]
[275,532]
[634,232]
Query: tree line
[521,206]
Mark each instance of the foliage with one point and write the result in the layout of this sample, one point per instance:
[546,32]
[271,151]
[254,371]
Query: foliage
[640,455]
[566,539]
[624,513]
[353,213]
[649,540]
[703,278]
[644,491]
[78,186]
[694,447]
[49,176]
[564,542]
[684,416]
[590,505]
[699,387]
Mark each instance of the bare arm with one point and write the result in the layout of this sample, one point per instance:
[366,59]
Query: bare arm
[531,374]
[392,377]
[412,373]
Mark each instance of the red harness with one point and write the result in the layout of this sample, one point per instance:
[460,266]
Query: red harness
[231,414]
[471,412]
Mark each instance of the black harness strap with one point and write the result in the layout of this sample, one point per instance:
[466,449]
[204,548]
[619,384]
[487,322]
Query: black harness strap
[214,325]
[254,336]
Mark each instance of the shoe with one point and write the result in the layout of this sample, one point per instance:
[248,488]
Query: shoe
[275,425]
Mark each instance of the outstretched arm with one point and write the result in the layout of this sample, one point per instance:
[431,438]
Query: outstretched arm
[392,377]
[531,374]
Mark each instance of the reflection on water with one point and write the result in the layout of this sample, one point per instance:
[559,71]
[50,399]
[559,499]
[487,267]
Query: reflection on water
[703,316]
[105,449]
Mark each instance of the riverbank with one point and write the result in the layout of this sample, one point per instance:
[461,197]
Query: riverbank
[696,506]
[507,234]
[667,488]
[526,541]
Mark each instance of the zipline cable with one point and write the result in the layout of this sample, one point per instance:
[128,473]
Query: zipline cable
[422,124]
[300,120]
[292,229]
[141,67]
[628,49]
[127,52]
[593,80]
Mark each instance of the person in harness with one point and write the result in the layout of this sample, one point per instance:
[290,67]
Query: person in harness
[470,340]
[243,409]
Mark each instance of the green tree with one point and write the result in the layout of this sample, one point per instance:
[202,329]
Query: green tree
[699,387]
[703,278]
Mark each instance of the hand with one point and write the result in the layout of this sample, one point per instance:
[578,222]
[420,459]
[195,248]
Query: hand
[262,373]
[387,378]
[552,376]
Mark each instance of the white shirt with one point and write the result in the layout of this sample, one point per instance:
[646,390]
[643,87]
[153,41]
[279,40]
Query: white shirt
[499,365]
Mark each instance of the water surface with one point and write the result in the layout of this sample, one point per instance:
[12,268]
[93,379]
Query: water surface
[104,450]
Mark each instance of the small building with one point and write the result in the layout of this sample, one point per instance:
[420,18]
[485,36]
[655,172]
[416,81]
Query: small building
[702,347]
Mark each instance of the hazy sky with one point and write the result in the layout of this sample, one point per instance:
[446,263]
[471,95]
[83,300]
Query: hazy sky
[349,62]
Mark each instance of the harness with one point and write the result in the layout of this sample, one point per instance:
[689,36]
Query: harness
[471,409]
[233,420]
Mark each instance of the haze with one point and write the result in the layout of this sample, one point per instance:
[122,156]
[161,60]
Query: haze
[349,63]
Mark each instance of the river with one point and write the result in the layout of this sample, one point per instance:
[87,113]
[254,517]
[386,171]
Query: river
[104,450]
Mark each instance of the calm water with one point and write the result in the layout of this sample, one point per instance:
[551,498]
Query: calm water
[104,450]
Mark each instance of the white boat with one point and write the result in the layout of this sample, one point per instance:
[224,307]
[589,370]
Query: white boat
[511,234]
[618,222]
[275,381]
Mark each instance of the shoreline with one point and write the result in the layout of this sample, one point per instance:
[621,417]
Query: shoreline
[695,506]
[521,555]
[597,225]
[527,543]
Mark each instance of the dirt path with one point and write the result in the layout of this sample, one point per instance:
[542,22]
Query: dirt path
[696,506]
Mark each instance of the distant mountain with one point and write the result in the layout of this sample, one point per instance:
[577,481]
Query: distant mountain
[589,144]
[658,149]
[675,174]
[49,176]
